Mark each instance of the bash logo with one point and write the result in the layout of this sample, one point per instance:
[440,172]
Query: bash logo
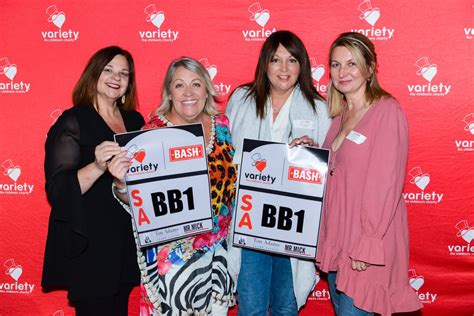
[428,72]
[13,172]
[138,167]
[186,153]
[371,16]
[319,294]
[416,282]
[466,233]
[421,180]
[304,175]
[15,271]
[317,72]
[10,71]
[221,88]
[469,32]
[465,144]
[156,18]
[57,19]
[261,17]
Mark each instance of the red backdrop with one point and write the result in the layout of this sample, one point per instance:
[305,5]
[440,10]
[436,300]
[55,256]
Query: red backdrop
[425,54]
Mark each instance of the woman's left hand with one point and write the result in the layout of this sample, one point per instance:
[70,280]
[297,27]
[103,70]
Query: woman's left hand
[359,265]
[303,140]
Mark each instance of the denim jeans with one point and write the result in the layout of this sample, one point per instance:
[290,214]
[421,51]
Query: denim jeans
[343,304]
[265,280]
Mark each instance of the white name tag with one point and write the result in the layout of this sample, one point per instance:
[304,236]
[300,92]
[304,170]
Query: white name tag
[356,137]
[306,124]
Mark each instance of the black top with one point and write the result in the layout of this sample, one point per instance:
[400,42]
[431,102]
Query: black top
[90,248]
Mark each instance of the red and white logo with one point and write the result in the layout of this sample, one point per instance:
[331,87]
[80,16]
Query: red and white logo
[417,282]
[465,232]
[15,271]
[317,72]
[138,154]
[258,162]
[13,173]
[421,180]
[304,175]
[466,144]
[428,72]
[140,165]
[221,88]
[260,17]
[10,71]
[156,19]
[469,32]
[58,18]
[186,153]
[319,293]
[371,15]
[55,114]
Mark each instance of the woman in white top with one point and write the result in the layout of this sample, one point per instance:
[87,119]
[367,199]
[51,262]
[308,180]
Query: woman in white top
[280,105]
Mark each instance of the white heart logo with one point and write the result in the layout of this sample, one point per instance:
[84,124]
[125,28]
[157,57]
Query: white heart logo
[263,18]
[429,72]
[14,173]
[372,16]
[158,19]
[212,70]
[16,272]
[467,235]
[417,283]
[10,72]
[422,181]
[317,72]
[59,19]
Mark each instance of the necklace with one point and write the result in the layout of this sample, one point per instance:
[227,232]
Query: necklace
[212,136]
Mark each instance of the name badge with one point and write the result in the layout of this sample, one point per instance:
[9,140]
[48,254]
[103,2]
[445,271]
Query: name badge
[306,124]
[356,137]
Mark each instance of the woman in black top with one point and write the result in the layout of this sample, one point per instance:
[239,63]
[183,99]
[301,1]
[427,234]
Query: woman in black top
[90,249]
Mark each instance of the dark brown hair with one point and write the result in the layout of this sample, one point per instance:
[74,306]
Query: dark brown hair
[85,91]
[259,88]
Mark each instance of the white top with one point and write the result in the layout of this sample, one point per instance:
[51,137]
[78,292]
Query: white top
[280,125]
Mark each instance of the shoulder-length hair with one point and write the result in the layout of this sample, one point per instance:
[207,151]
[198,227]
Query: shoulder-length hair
[363,51]
[259,88]
[85,91]
[196,67]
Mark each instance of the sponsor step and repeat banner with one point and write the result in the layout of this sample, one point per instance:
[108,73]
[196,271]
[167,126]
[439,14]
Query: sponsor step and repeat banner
[425,50]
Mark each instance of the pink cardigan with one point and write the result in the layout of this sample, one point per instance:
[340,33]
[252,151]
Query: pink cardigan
[365,216]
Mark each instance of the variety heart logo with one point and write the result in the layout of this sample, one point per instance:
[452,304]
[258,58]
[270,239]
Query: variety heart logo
[139,156]
[59,19]
[260,165]
[212,70]
[317,72]
[15,272]
[10,72]
[372,16]
[14,173]
[422,181]
[429,72]
[263,18]
[158,19]
[467,235]
[417,282]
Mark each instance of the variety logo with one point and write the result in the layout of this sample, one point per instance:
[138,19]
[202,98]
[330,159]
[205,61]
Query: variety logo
[156,18]
[465,144]
[417,282]
[371,16]
[428,72]
[186,153]
[421,180]
[304,175]
[319,294]
[260,164]
[138,167]
[261,18]
[15,271]
[221,88]
[58,19]
[10,71]
[469,32]
[317,72]
[13,173]
[466,233]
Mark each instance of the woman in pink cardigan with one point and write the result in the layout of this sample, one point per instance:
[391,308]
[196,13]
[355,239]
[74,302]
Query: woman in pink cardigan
[364,235]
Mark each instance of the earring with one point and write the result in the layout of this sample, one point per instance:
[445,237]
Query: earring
[123,99]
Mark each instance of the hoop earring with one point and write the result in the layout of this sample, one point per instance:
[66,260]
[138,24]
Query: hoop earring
[123,99]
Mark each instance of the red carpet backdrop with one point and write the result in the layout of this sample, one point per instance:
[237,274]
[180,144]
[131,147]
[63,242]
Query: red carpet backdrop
[425,52]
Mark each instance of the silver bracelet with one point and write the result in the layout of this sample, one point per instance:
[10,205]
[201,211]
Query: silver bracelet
[122,191]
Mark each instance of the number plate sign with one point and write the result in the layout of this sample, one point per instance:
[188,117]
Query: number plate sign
[168,183]
[280,198]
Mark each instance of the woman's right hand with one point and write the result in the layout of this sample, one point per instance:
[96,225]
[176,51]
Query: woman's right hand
[104,152]
[119,166]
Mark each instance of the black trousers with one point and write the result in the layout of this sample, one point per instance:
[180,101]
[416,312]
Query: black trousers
[116,305]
